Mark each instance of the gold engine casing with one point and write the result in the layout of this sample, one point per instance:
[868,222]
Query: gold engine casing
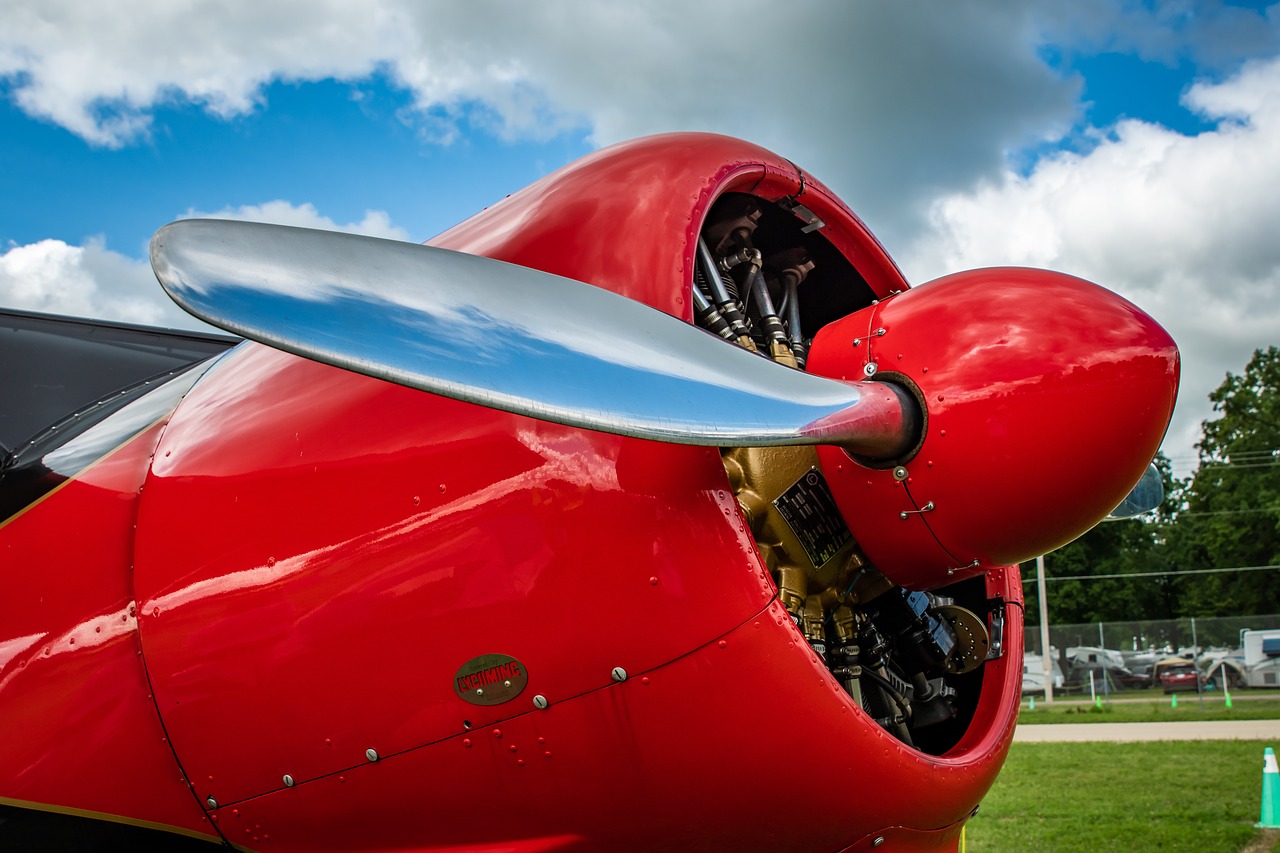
[813,557]
[817,565]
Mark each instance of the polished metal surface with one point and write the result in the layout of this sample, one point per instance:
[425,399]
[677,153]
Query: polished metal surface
[509,338]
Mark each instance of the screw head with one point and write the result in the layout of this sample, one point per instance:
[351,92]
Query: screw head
[288,781]
[213,804]
[869,369]
[900,473]
[371,754]
[619,674]
[540,702]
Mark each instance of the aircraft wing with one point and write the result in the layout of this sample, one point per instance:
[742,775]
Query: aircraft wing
[54,366]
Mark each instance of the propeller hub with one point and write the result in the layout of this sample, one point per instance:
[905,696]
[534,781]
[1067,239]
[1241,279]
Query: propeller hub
[1044,399]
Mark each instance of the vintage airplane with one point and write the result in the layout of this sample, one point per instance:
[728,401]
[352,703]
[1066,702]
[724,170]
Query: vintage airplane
[710,552]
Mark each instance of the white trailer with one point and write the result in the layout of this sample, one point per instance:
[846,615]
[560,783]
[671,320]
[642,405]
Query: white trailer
[1261,652]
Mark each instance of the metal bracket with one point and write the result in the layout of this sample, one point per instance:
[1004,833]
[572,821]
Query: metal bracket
[810,219]
[996,650]
[921,511]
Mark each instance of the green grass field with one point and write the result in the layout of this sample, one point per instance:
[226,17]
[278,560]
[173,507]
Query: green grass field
[1200,796]
[1153,708]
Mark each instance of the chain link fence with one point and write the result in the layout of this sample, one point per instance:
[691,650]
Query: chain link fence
[1168,636]
[1121,655]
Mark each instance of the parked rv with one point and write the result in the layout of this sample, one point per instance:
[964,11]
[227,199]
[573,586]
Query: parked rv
[1107,667]
[1033,672]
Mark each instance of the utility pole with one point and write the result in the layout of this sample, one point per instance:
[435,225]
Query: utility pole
[1044,630]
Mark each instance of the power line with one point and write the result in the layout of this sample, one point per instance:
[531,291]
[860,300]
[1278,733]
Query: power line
[1174,573]
[1236,466]
[1229,511]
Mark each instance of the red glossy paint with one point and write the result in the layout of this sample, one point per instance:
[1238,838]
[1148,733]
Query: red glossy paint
[627,218]
[716,774]
[1039,420]
[81,733]
[392,537]
[318,555]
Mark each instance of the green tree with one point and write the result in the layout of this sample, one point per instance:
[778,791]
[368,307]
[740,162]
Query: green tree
[1226,515]
[1231,511]
[1120,547]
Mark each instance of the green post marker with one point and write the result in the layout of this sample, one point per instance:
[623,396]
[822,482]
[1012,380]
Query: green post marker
[1270,812]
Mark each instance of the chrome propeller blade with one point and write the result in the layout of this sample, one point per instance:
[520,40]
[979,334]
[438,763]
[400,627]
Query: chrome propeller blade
[1145,496]
[511,338]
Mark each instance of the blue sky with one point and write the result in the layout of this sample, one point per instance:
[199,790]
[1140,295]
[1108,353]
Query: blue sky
[1127,142]
[336,145]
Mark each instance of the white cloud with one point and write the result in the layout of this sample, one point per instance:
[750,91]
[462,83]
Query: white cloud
[889,103]
[902,108]
[98,69]
[376,223]
[858,92]
[92,281]
[88,281]
[1182,225]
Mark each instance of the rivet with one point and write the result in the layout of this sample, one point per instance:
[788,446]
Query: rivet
[619,674]
[288,781]
[213,804]
[540,702]
[869,369]
[506,684]
[371,754]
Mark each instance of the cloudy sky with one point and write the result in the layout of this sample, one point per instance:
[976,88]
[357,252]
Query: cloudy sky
[1135,144]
